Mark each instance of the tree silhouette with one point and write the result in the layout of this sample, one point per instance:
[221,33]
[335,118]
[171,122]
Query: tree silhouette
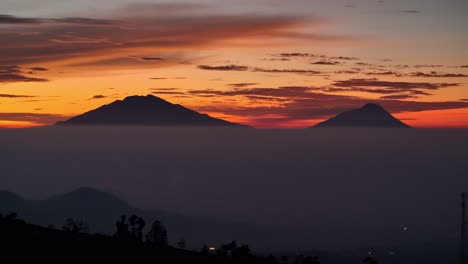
[370,260]
[132,221]
[284,259]
[122,228]
[11,216]
[311,260]
[75,226]
[205,249]
[182,244]
[227,249]
[157,235]
[242,251]
[140,223]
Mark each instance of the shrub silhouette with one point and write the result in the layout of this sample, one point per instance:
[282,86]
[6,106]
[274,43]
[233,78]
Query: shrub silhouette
[205,249]
[140,223]
[157,235]
[75,226]
[122,228]
[370,260]
[182,244]
[311,260]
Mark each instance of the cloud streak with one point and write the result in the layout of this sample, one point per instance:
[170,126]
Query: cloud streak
[136,30]
[14,73]
[242,68]
[16,96]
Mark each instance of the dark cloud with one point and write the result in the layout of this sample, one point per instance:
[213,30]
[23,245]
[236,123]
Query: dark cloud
[464,66]
[151,58]
[363,64]
[83,21]
[9,19]
[32,117]
[398,96]
[164,89]
[159,78]
[242,85]
[326,62]
[428,66]
[285,92]
[9,78]
[408,92]
[312,55]
[299,55]
[347,72]
[223,68]
[15,96]
[99,96]
[385,73]
[401,66]
[10,69]
[278,59]
[168,93]
[295,71]
[41,69]
[344,58]
[14,73]
[438,75]
[164,8]
[393,85]
[410,11]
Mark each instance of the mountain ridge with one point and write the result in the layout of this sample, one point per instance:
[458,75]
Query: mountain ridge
[146,110]
[369,115]
[101,209]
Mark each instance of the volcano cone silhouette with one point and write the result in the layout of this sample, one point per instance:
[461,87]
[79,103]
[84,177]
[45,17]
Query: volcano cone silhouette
[145,110]
[370,115]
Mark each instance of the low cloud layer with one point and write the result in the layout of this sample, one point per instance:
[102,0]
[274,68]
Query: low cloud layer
[14,73]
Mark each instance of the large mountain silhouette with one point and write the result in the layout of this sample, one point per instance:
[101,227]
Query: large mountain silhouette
[101,210]
[145,110]
[370,115]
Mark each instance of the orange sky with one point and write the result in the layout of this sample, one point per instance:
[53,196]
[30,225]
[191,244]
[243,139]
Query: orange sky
[273,68]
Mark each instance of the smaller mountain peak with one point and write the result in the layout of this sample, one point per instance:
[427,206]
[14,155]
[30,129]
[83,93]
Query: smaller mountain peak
[88,193]
[86,190]
[9,196]
[370,115]
[144,98]
[373,106]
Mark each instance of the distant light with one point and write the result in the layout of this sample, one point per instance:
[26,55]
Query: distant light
[370,253]
[212,249]
[405,228]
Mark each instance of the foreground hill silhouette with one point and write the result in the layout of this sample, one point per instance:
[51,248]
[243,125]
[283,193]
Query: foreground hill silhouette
[370,115]
[21,241]
[100,210]
[145,110]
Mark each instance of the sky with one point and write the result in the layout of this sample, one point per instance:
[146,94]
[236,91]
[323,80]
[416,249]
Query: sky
[265,63]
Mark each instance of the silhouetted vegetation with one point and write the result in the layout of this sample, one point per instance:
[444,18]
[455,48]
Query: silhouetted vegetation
[75,226]
[23,241]
[370,260]
[182,244]
[157,235]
